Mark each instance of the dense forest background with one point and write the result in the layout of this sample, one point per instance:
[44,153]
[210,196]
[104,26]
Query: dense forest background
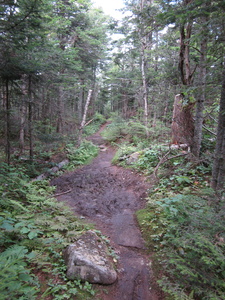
[158,75]
[53,53]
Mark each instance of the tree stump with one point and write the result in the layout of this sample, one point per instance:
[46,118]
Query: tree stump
[182,122]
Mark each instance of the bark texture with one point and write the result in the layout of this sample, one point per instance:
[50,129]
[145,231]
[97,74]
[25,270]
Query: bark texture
[84,116]
[182,124]
[199,115]
[218,172]
[7,122]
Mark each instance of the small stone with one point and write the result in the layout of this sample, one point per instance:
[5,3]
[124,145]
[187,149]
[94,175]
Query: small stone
[133,158]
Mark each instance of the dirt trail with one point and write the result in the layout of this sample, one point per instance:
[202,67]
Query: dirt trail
[109,196]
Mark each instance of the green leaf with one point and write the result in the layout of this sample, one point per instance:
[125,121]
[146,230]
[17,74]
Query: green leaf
[24,277]
[24,230]
[32,235]
[31,255]
[183,179]
[7,225]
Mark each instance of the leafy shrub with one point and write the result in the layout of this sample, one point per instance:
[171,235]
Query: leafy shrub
[191,249]
[44,127]
[135,131]
[81,155]
[34,229]
[93,127]
[160,132]
[116,130]
[13,185]
[122,153]
[16,280]
[148,159]
[100,118]
[137,128]
[184,176]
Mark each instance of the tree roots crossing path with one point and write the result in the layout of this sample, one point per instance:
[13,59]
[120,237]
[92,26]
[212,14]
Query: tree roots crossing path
[108,196]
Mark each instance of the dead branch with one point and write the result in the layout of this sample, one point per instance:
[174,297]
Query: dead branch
[211,117]
[63,193]
[213,133]
[165,159]
[88,122]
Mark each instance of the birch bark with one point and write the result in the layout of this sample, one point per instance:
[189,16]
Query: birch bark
[84,117]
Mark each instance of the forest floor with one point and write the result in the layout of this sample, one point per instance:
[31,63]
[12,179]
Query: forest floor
[108,196]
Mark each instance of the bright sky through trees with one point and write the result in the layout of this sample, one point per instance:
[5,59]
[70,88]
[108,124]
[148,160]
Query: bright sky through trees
[110,7]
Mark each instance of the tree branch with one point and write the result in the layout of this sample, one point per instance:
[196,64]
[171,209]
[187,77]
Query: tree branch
[63,193]
[213,133]
[165,159]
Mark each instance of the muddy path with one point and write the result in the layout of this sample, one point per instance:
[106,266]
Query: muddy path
[108,196]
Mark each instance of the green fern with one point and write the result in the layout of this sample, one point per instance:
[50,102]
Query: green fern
[15,279]
[31,220]
[190,253]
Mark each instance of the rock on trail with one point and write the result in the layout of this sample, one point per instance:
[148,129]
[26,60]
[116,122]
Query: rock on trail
[88,260]
[108,196]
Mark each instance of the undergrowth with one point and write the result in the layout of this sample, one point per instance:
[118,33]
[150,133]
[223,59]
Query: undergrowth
[183,224]
[35,228]
[82,155]
[50,148]
[187,234]
[135,132]
[94,124]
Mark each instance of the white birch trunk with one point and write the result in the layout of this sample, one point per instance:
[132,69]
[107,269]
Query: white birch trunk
[84,116]
[144,84]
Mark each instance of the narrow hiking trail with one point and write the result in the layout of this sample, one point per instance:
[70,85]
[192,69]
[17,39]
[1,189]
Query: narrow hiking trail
[108,196]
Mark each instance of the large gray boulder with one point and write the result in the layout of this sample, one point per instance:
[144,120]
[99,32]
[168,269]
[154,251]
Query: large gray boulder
[87,260]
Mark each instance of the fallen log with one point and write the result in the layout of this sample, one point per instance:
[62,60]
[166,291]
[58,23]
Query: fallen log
[51,171]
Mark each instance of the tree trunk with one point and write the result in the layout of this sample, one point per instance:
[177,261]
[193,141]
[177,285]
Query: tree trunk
[84,117]
[45,110]
[7,122]
[182,124]
[30,119]
[144,82]
[81,100]
[218,171]
[60,111]
[22,126]
[23,115]
[199,116]
[143,36]
[184,60]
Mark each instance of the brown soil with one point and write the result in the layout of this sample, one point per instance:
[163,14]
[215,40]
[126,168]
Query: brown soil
[108,196]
